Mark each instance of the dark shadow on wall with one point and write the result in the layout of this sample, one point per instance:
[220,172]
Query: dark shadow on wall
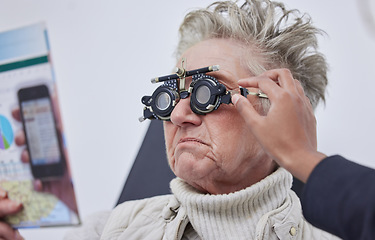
[150,174]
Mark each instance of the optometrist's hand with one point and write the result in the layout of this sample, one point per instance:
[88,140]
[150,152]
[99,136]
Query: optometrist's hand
[288,131]
[8,207]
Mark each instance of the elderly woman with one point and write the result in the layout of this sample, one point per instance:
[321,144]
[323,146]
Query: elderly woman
[227,187]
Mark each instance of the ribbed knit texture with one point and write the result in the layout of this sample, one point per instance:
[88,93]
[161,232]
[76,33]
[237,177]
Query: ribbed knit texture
[234,215]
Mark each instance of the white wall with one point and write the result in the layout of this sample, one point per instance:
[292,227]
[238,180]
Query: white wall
[105,53]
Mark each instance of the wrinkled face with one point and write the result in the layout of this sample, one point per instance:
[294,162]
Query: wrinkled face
[215,153]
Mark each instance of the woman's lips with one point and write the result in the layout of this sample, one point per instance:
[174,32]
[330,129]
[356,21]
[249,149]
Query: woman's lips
[183,140]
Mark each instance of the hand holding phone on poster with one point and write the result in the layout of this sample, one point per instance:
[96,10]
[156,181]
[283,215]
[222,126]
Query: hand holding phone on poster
[41,133]
[43,143]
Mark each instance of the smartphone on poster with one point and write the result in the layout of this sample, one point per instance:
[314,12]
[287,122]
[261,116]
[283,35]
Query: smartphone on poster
[43,139]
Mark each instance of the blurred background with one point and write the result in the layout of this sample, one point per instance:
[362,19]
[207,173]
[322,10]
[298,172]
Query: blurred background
[105,53]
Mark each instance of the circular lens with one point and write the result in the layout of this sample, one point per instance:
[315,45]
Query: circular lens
[203,94]
[163,100]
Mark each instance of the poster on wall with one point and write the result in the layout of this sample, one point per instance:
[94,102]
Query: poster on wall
[34,163]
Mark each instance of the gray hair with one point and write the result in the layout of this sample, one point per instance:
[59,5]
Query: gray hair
[281,38]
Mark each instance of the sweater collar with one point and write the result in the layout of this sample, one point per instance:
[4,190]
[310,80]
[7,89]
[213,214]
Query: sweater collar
[234,215]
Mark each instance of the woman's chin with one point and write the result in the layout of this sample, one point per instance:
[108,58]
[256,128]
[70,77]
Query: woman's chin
[194,170]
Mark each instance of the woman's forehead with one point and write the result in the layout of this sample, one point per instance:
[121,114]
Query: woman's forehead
[212,50]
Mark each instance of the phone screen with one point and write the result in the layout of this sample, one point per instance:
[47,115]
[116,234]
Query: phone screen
[41,131]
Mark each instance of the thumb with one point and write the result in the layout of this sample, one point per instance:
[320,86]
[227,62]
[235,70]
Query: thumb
[245,108]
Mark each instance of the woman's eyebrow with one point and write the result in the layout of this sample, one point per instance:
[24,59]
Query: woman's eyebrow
[224,79]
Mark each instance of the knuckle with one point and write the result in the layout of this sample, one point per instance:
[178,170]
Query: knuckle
[281,71]
[290,98]
[284,96]
[285,71]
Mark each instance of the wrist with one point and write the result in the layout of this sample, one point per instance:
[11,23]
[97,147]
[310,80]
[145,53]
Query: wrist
[302,163]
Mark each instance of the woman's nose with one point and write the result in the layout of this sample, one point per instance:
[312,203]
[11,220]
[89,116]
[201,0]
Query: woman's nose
[183,115]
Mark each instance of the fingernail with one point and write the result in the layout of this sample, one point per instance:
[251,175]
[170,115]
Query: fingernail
[38,186]
[235,98]
[15,204]
[3,194]
[17,235]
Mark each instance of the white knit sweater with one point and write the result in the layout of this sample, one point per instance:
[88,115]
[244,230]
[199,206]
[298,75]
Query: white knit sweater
[235,215]
[266,210]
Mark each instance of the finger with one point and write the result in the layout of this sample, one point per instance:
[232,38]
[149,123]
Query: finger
[309,105]
[3,194]
[255,82]
[20,138]
[16,114]
[246,109]
[17,235]
[9,207]
[302,94]
[38,185]
[7,232]
[299,88]
[251,81]
[283,76]
[265,84]
[25,157]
